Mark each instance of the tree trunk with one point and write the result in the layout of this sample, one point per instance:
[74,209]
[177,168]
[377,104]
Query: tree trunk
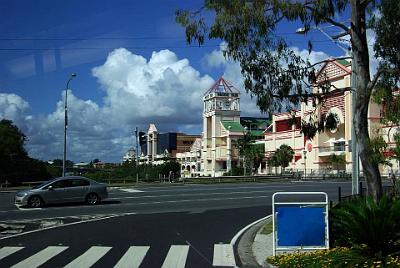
[363,94]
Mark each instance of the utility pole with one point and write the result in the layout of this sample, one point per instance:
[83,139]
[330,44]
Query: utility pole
[137,155]
[72,76]
[354,146]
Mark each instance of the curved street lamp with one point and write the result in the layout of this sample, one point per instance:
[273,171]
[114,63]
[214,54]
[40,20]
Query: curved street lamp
[72,76]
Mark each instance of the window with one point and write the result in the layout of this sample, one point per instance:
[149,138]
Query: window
[59,184]
[79,182]
[283,125]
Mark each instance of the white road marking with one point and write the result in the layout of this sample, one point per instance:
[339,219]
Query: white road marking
[5,251]
[223,255]
[176,257]
[68,224]
[90,257]
[133,257]
[130,190]
[41,257]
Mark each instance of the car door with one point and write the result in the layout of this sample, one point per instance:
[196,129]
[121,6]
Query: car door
[78,189]
[54,192]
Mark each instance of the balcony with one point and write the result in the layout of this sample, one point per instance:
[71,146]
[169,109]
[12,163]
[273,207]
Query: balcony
[336,148]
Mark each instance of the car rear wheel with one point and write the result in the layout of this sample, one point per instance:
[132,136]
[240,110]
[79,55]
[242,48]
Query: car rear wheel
[92,199]
[35,201]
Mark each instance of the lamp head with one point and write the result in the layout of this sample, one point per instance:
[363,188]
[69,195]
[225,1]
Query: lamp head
[73,75]
[303,30]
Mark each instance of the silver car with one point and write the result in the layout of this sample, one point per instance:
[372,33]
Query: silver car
[63,189]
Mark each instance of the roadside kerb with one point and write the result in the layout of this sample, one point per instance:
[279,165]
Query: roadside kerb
[242,243]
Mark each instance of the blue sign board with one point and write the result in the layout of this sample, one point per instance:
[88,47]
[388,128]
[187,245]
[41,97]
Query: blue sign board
[300,226]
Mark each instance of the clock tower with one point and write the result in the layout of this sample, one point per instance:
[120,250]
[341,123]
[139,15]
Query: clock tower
[221,106]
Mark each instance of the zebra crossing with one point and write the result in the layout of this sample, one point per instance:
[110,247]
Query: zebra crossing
[133,257]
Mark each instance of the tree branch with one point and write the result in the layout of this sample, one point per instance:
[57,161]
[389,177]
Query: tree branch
[331,21]
[378,74]
[314,95]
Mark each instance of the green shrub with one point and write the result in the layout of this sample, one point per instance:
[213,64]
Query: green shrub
[333,258]
[373,228]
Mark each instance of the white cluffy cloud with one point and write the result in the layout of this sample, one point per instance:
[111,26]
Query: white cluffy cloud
[163,90]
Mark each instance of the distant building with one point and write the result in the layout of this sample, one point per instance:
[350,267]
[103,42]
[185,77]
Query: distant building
[191,160]
[129,156]
[162,146]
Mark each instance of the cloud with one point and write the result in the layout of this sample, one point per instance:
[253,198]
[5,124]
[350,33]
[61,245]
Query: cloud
[156,90]
[13,107]
[163,90]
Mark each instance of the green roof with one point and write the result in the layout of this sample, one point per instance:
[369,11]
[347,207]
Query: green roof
[344,62]
[233,126]
[257,133]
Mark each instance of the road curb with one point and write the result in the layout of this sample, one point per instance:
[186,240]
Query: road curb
[242,243]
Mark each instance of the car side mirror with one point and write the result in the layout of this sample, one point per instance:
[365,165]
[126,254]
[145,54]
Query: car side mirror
[50,188]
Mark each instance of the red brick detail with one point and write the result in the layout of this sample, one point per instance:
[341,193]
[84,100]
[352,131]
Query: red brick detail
[334,101]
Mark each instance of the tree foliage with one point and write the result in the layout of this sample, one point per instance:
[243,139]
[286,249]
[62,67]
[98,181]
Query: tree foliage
[281,157]
[252,154]
[15,164]
[337,160]
[278,78]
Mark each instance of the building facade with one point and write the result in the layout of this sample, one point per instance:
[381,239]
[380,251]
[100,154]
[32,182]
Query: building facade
[313,156]
[221,127]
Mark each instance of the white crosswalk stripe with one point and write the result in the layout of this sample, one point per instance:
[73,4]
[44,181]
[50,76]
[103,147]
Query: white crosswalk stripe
[176,257]
[40,257]
[223,255]
[5,251]
[133,257]
[90,257]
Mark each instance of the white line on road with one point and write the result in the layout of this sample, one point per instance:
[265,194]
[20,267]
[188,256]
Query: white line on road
[67,224]
[223,255]
[176,257]
[40,257]
[90,257]
[190,194]
[5,251]
[133,257]
[130,190]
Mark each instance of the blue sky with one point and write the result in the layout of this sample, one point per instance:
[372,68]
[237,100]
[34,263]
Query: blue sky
[133,68]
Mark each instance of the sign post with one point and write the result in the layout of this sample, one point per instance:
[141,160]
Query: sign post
[300,225]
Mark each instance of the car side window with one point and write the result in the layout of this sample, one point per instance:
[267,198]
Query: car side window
[59,184]
[79,182]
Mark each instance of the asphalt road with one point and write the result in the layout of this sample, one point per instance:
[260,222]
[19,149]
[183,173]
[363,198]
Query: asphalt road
[188,222]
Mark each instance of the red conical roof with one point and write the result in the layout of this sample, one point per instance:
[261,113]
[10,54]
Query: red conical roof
[221,85]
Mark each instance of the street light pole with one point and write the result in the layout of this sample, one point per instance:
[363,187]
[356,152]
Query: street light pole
[354,146]
[137,155]
[73,75]
[305,164]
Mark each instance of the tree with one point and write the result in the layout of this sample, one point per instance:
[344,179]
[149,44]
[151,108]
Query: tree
[279,78]
[252,154]
[337,161]
[282,156]
[15,164]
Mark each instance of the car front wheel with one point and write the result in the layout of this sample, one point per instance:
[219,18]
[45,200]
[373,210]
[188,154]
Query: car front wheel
[92,199]
[35,201]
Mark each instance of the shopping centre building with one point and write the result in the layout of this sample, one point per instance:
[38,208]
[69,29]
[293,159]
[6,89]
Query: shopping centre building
[215,154]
